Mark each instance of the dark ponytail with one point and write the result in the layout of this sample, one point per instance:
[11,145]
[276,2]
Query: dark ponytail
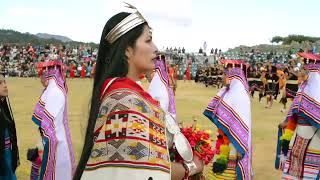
[111,62]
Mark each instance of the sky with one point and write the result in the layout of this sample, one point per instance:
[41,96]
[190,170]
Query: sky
[221,24]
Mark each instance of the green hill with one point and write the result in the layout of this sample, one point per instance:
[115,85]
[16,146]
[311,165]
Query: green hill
[282,44]
[15,37]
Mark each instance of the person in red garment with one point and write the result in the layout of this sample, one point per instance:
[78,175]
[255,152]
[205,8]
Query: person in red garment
[83,71]
[188,71]
[72,70]
[127,134]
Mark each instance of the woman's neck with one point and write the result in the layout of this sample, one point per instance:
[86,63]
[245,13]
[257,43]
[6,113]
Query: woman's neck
[133,75]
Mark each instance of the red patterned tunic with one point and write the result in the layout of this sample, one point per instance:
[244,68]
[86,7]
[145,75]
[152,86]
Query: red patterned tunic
[129,136]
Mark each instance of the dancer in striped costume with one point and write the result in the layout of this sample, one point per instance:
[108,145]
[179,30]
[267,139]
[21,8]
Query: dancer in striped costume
[298,151]
[51,116]
[230,111]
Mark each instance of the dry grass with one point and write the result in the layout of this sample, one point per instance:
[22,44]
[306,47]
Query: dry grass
[191,101]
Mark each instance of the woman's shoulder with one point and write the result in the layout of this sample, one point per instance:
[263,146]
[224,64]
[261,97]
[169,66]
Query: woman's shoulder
[127,102]
[121,100]
[125,87]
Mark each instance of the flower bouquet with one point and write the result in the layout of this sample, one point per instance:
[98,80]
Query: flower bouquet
[201,144]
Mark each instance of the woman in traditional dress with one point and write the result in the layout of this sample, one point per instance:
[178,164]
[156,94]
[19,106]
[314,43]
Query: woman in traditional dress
[72,70]
[188,72]
[9,155]
[126,136]
[298,151]
[51,117]
[230,111]
[83,71]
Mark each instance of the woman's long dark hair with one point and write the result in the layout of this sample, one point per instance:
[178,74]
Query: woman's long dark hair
[7,123]
[111,62]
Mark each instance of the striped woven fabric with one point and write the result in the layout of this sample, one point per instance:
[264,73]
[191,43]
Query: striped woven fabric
[34,175]
[310,167]
[7,143]
[303,162]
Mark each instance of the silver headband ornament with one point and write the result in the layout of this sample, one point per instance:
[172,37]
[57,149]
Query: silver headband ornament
[128,23]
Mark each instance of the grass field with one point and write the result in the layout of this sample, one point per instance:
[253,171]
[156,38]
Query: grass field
[191,100]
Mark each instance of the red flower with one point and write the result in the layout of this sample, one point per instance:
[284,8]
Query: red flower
[192,143]
[200,144]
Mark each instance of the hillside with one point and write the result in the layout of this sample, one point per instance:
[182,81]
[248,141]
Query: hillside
[51,36]
[15,37]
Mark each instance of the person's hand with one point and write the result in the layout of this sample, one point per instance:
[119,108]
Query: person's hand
[199,163]
[283,125]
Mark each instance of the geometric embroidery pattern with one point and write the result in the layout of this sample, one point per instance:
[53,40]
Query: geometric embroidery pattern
[308,167]
[142,105]
[119,107]
[120,95]
[116,156]
[138,151]
[157,134]
[116,125]
[116,143]
[297,156]
[98,152]
[137,126]
[129,132]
